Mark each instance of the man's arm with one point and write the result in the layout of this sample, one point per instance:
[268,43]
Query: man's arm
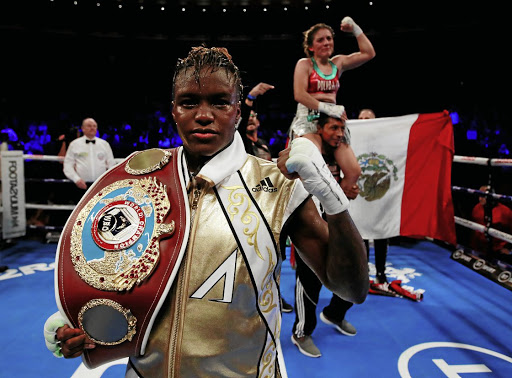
[246,106]
[347,160]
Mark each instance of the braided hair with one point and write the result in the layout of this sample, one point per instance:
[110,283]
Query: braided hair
[214,58]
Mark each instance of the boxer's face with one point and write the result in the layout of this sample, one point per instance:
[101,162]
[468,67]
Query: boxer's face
[323,43]
[205,111]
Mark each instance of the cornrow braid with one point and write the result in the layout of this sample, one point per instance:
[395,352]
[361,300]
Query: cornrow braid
[214,58]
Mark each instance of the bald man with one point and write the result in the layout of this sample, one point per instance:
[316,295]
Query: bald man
[87,157]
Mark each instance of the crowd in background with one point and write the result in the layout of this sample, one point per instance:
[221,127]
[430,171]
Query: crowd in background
[476,133]
[45,137]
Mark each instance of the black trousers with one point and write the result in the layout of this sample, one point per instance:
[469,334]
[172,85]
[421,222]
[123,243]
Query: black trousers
[307,292]
[381,252]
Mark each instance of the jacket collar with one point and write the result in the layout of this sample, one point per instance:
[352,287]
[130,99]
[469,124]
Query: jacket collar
[225,163]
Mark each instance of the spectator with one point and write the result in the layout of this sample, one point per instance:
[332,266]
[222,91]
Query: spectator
[250,123]
[501,220]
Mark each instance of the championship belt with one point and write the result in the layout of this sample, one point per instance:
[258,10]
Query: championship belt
[120,251]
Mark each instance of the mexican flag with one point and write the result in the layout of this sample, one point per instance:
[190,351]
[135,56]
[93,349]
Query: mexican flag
[405,184]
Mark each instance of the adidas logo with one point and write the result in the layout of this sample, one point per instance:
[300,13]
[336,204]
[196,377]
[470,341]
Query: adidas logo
[265,185]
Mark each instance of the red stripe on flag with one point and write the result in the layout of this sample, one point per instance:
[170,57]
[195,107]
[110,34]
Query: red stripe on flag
[427,206]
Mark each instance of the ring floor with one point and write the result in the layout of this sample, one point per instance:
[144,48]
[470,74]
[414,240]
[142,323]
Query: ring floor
[462,326]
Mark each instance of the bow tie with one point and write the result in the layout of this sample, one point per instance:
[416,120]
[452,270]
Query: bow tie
[90,141]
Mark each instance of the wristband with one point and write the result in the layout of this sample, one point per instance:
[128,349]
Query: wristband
[51,325]
[250,97]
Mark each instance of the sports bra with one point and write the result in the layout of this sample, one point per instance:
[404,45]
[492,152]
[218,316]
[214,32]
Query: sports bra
[319,82]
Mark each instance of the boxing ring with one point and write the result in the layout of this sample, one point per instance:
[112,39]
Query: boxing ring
[487,263]
[483,262]
[462,308]
[16,208]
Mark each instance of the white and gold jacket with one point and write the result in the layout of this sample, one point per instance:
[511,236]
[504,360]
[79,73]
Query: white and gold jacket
[222,316]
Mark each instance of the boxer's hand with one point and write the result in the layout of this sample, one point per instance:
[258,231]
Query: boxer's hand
[305,159]
[281,164]
[348,25]
[332,110]
[73,341]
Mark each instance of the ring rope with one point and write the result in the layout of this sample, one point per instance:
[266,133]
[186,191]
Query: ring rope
[487,230]
[482,161]
[479,227]
[47,180]
[52,158]
[43,157]
[499,197]
[45,227]
[48,207]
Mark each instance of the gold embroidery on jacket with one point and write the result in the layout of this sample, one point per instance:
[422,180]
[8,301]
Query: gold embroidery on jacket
[267,302]
[236,201]
[239,201]
[269,361]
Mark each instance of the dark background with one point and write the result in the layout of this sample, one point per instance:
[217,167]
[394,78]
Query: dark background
[61,62]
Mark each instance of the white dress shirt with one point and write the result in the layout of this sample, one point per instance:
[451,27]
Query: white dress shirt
[87,161]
